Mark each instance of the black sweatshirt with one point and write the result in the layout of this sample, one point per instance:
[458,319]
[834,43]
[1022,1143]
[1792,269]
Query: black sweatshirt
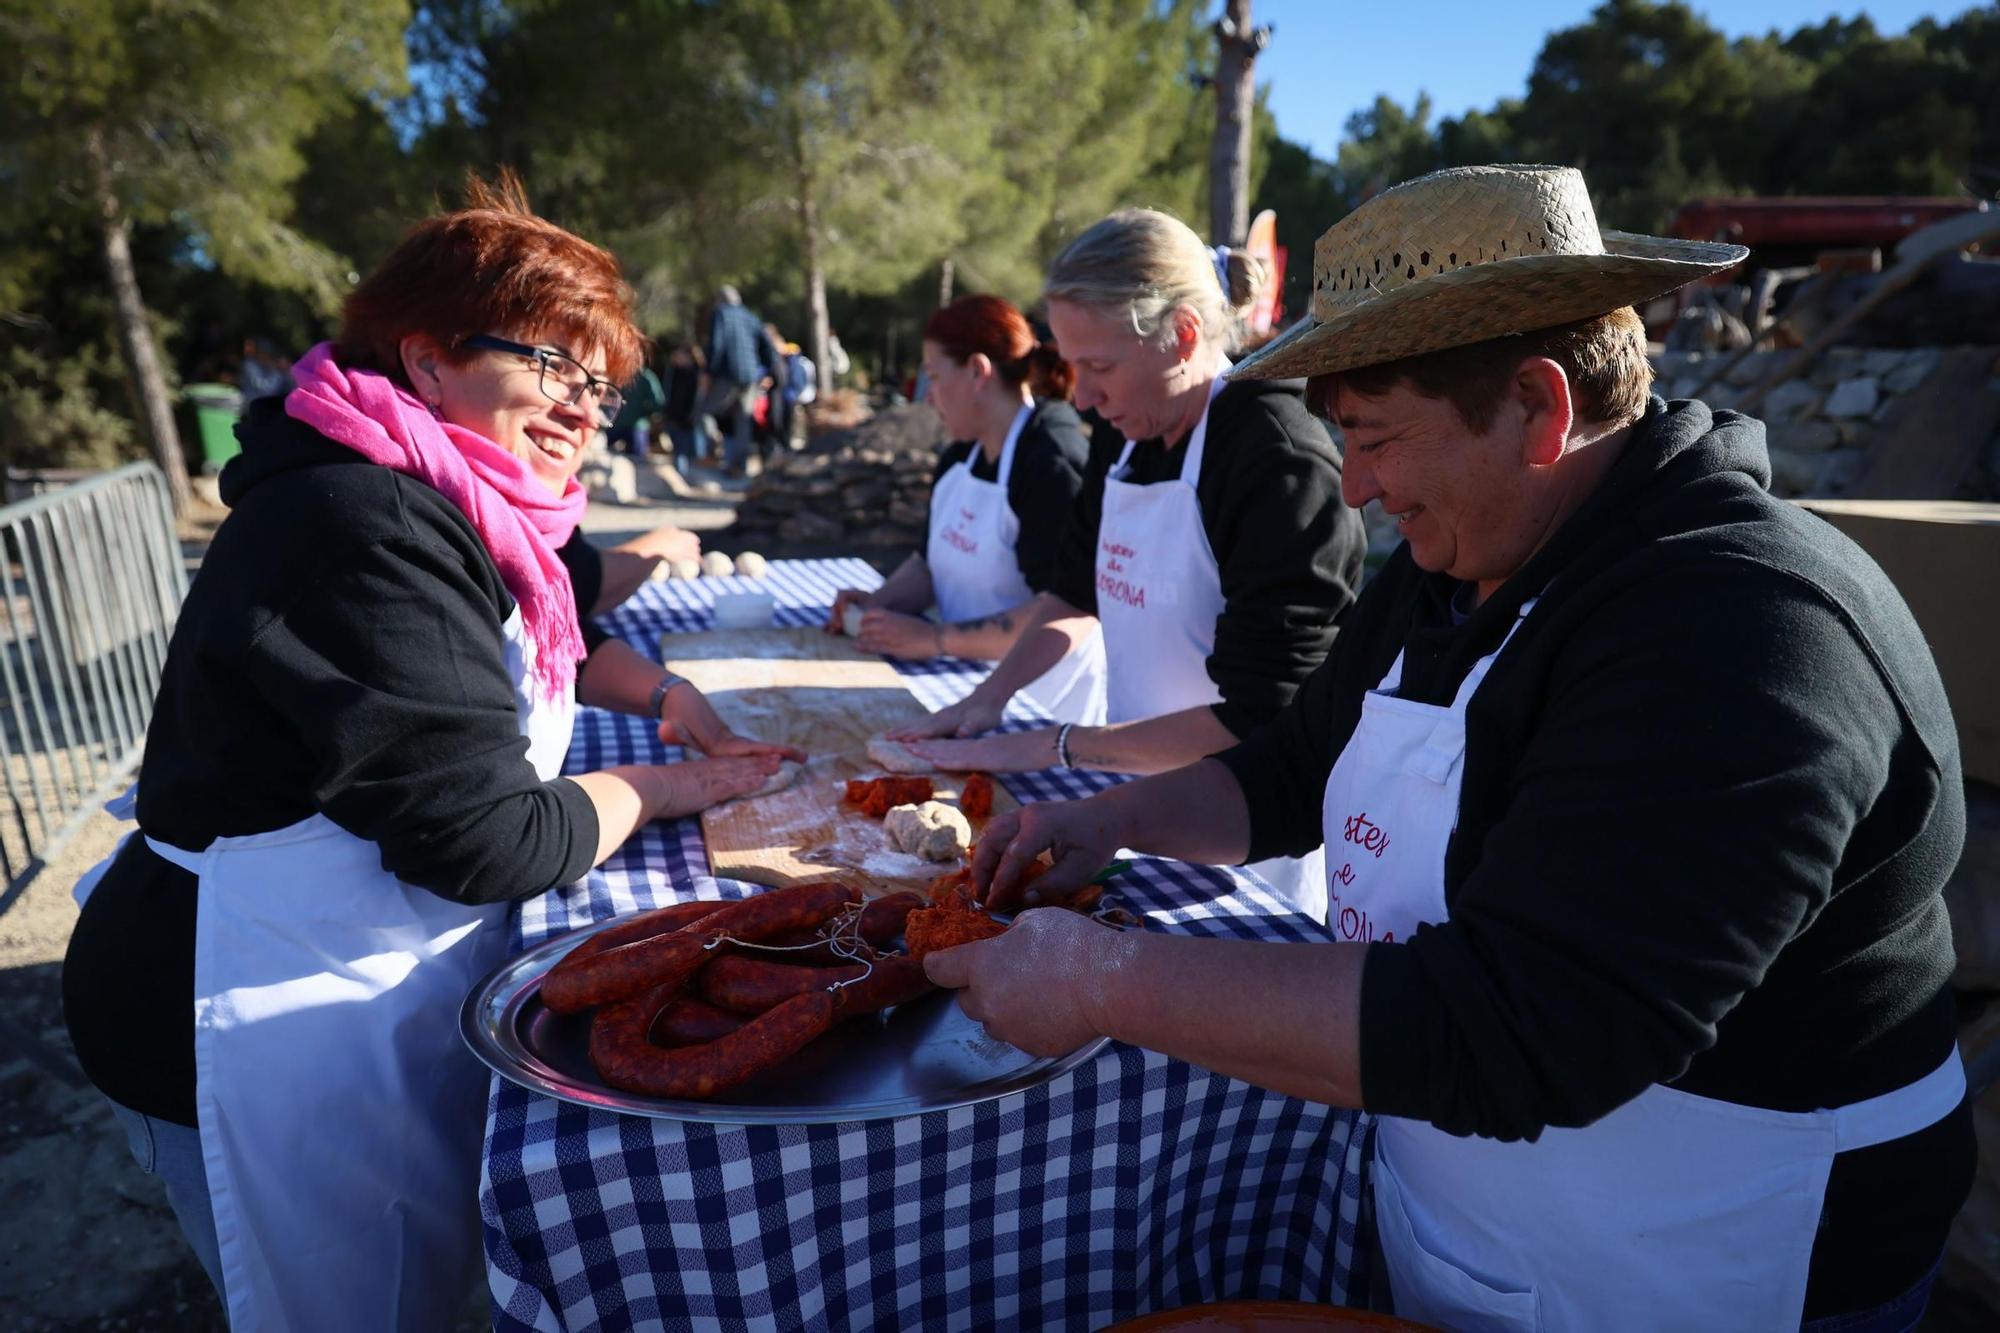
[1289,551]
[1049,461]
[1711,797]
[340,653]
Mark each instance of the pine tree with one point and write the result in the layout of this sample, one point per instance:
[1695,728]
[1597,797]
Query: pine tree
[189,110]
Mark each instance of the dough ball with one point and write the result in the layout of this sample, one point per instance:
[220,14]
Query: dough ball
[788,773]
[933,831]
[896,756]
[752,566]
[662,571]
[687,569]
[850,620]
[717,565]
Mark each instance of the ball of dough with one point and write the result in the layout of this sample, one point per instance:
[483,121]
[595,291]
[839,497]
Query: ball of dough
[752,566]
[687,569]
[717,565]
[850,620]
[896,756]
[788,773]
[933,831]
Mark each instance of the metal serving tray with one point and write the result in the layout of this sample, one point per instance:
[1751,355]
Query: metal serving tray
[922,1056]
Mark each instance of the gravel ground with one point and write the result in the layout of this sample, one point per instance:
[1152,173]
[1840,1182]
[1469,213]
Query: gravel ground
[87,1240]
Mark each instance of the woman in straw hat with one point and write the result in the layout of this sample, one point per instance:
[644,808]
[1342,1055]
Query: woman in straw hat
[1638,790]
[1210,543]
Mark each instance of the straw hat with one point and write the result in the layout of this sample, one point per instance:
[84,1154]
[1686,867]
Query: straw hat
[1467,254]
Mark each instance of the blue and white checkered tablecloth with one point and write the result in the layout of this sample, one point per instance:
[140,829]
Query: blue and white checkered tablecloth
[1133,1183]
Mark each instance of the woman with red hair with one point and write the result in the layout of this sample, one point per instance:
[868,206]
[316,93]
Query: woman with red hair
[999,503]
[351,772]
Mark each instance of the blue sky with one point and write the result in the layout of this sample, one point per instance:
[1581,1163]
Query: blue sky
[1329,58]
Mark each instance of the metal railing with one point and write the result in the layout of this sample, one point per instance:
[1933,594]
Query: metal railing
[91,578]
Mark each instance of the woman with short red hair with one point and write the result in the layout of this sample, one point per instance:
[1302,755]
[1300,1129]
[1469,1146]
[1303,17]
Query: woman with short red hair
[351,772]
[999,503]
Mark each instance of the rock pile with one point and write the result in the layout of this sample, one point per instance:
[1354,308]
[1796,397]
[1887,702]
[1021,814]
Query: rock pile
[864,491]
[1822,424]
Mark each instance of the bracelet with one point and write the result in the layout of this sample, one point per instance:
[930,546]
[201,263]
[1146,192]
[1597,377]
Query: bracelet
[660,691]
[1062,744]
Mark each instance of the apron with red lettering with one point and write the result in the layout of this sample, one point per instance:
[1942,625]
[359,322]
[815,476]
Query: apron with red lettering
[1159,592]
[1672,1212]
[974,574]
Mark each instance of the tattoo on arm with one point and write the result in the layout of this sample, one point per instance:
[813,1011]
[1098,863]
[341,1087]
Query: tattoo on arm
[1004,622]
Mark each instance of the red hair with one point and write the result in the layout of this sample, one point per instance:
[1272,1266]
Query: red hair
[491,267]
[991,327]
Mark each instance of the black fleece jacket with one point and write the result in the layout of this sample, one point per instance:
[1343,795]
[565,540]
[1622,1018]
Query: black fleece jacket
[1288,550]
[340,653]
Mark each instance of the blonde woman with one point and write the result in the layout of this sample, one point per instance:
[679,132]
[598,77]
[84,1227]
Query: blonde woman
[1211,544]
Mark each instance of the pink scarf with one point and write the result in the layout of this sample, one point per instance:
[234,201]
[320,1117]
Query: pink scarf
[513,512]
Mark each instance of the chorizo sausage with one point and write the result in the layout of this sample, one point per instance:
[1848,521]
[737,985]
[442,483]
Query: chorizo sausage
[644,926]
[624,1058]
[746,985]
[896,979]
[621,973]
[882,920]
[687,1021]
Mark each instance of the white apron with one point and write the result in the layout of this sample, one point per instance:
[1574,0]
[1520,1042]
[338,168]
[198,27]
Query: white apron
[1159,592]
[339,1111]
[974,574]
[1672,1212]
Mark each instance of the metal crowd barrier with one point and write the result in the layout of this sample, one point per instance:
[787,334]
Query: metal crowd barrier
[92,579]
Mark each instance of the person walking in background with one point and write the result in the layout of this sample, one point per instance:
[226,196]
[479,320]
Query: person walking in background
[741,360]
[263,373]
[632,431]
[777,425]
[680,413]
[797,387]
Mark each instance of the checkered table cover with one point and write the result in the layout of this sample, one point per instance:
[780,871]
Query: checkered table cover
[1133,1183]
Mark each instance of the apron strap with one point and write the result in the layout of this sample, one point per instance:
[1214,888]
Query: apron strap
[1006,464]
[1445,749]
[1117,472]
[1903,1111]
[186,860]
[1197,444]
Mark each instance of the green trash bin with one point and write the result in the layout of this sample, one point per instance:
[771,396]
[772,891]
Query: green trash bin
[215,410]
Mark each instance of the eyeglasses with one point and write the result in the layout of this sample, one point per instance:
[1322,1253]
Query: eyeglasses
[563,378]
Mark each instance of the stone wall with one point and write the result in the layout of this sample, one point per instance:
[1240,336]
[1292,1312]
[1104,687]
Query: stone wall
[864,491]
[1823,422]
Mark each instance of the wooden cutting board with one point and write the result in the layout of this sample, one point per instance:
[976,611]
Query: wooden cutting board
[817,691]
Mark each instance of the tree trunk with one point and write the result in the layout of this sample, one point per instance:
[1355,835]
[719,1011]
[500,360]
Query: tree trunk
[816,321]
[1237,45]
[135,334]
[944,284]
[815,289]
